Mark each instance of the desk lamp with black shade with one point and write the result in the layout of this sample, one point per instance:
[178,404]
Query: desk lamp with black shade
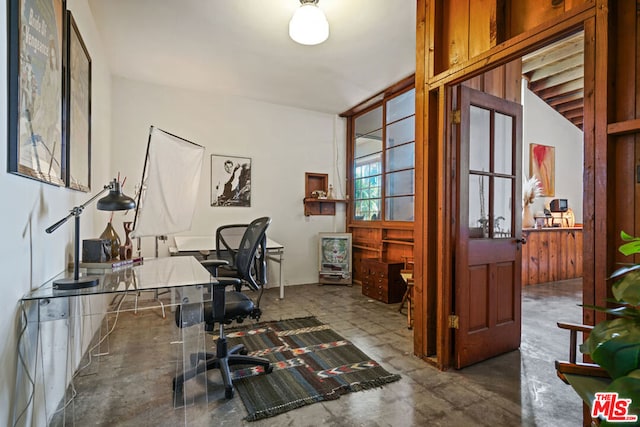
[114,201]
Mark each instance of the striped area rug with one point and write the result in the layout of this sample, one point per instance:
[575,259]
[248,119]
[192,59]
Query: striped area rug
[312,363]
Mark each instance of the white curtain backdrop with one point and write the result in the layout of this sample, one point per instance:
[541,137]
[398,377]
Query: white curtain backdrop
[170,185]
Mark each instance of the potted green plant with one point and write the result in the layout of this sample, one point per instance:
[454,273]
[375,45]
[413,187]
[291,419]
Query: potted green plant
[615,344]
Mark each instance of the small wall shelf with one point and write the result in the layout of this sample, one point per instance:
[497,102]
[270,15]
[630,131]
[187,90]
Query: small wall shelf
[315,205]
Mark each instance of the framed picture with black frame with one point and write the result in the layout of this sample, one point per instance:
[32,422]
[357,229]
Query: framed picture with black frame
[35,89]
[77,110]
[230,181]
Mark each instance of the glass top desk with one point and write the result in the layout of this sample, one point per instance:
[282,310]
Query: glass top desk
[58,336]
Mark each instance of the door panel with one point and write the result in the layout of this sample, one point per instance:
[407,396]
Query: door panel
[487,270]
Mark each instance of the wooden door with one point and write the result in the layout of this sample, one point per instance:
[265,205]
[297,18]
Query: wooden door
[487,297]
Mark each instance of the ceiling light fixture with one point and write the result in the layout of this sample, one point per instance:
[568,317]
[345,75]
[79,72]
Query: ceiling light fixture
[309,25]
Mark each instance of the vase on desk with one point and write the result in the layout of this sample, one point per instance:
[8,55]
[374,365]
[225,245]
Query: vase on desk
[527,217]
[110,234]
[126,249]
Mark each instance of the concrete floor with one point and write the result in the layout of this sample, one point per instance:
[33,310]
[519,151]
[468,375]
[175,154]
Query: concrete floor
[131,386]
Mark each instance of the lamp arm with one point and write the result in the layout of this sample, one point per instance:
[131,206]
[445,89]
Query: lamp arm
[76,211]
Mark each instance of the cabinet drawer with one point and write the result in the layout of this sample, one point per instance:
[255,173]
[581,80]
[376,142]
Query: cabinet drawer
[376,292]
[382,281]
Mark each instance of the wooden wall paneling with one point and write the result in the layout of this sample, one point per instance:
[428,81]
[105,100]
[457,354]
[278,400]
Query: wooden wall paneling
[565,264]
[476,82]
[515,47]
[398,252]
[483,28]
[602,155]
[553,258]
[543,259]
[578,262]
[425,32]
[551,255]
[513,81]
[524,255]
[526,14]
[626,95]
[441,211]
[575,247]
[494,83]
[455,32]
[636,192]
[534,259]
[432,184]
[588,171]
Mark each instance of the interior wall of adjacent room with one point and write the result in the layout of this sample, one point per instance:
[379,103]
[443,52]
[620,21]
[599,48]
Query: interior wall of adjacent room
[282,142]
[544,125]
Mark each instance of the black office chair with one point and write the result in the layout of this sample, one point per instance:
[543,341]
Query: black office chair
[225,308]
[228,239]
[248,266]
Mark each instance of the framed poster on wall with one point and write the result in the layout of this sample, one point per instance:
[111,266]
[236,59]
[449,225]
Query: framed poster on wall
[35,95]
[230,181]
[542,165]
[77,110]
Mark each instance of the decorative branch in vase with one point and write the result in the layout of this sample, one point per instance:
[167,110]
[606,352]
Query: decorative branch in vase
[530,190]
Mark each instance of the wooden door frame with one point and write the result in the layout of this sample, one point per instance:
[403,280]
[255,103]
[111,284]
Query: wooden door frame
[434,182]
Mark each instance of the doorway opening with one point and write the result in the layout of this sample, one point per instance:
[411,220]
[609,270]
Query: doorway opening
[552,117]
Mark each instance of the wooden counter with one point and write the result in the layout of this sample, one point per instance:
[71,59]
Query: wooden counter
[551,254]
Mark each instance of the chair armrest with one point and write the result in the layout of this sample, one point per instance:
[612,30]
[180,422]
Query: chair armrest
[573,329]
[188,314]
[585,369]
[215,262]
[225,281]
[212,265]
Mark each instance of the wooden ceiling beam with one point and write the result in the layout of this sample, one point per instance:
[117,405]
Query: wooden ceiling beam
[561,89]
[570,105]
[552,52]
[558,79]
[562,66]
[573,114]
[566,97]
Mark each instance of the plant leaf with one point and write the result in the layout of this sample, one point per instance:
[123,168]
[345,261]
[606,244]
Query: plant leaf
[619,356]
[627,388]
[633,245]
[626,237]
[627,289]
[622,328]
[624,270]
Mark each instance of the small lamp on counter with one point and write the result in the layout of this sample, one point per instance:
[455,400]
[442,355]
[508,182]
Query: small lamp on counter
[114,201]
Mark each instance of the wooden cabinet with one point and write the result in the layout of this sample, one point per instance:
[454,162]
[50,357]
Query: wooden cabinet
[380,240]
[551,254]
[381,280]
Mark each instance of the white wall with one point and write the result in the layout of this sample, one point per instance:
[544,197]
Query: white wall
[282,142]
[29,256]
[543,125]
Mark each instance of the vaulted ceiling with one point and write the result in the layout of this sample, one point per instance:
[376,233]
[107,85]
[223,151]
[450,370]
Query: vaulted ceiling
[556,74]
